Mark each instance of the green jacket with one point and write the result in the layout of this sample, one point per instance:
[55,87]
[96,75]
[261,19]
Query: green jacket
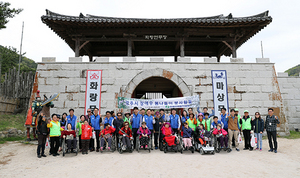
[78,126]
[246,124]
[208,123]
[191,124]
[55,129]
[125,119]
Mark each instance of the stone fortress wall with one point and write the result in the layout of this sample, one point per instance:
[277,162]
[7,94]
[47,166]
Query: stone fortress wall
[251,86]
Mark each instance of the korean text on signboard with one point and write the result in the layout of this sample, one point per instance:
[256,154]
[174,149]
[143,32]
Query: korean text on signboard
[93,89]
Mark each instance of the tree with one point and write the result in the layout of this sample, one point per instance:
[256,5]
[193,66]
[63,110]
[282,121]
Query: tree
[6,12]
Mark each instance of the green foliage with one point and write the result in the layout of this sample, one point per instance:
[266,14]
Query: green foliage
[9,58]
[294,71]
[7,139]
[12,121]
[6,12]
[293,135]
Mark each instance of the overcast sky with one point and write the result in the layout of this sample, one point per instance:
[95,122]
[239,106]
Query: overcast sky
[281,39]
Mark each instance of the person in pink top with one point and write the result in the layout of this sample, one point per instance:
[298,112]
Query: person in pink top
[144,133]
[222,134]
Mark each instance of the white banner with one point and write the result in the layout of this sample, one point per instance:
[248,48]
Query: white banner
[93,89]
[220,93]
[164,103]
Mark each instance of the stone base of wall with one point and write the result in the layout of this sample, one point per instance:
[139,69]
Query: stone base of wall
[12,133]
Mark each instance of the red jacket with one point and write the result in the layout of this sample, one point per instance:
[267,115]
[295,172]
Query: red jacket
[66,132]
[216,132]
[128,132]
[110,130]
[86,132]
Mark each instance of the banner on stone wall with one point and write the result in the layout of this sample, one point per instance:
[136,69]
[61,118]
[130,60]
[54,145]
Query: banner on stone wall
[93,89]
[220,93]
[164,103]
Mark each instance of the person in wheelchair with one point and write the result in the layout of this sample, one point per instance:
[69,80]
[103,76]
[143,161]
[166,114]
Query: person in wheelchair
[126,132]
[106,136]
[200,134]
[167,133]
[144,135]
[70,136]
[187,136]
[221,136]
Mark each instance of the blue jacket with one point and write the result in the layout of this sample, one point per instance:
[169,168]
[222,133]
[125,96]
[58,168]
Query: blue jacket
[174,121]
[214,125]
[72,120]
[210,115]
[225,121]
[187,132]
[149,120]
[96,120]
[136,121]
[184,119]
[110,121]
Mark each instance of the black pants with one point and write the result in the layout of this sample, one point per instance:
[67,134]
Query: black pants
[247,139]
[54,145]
[72,144]
[156,135]
[134,134]
[97,132]
[85,145]
[117,137]
[80,142]
[175,131]
[272,135]
[126,142]
[41,144]
[144,141]
[92,144]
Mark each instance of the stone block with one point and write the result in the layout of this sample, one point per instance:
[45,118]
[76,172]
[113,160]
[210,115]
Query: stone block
[45,88]
[237,60]
[67,74]
[129,59]
[246,81]
[59,104]
[48,59]
[45,74]
[266,74]
[282,74]
[72,88]
[136,66]
[294,103]
[71,104]
[245,66]
[268,104]
[183,59]
[202,89]
[79,96]
[54,66]
[82,88]
[266,88]
[79,81]
[102,59]
[247,96]
[75,59]
[242,104]
[210,60]
[254,89]
[292,80]
[103,88]
[262,60]
[241,88]
[261,81]
[51,81]
[41,66]
[65,81]
[294,120]
[122,66]
[191,67]
[156,59]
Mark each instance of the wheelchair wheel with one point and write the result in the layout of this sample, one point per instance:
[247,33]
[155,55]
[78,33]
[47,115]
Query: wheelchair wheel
[192,150]
[213,152]
[201,151]
[137,145]
[165,150]
[63,145]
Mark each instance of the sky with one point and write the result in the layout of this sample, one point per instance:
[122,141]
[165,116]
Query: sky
[281,39]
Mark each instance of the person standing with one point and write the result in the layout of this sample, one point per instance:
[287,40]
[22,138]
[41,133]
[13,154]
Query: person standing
[174,121]
[72,119]
[108,119]
[118,123]
[233,129]
[78,126]
[246,127]
[96,121]
[88,118]
[136,120]
[86,135]
[184,117]
[55,133]
[224,119]
[158,122]
[270,126]
[149,119]
[42,132]
[258,127]
[192,122]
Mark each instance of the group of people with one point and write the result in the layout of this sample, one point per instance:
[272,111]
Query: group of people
[148,125]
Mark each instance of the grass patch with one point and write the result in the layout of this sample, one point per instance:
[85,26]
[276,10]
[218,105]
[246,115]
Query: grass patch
[12,121]
[293,135]
[7,139]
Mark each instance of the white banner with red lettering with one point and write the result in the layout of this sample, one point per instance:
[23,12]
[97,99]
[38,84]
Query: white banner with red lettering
[93,89]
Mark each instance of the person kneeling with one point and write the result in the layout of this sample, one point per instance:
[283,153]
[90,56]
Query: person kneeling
[106,134]
[222,134]
[144,133]
[126,132]
[187,135]
[70,137]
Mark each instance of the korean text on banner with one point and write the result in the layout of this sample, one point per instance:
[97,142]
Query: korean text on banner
[220,93]
[93,89]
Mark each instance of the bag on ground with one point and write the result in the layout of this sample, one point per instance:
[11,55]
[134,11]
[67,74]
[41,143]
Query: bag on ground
[47,144]
[252,141]
[94,135]
[240,138]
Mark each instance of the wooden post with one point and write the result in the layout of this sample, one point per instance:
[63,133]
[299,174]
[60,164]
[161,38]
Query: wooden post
[233,49]
[129,48]
[181,47]
[77,46]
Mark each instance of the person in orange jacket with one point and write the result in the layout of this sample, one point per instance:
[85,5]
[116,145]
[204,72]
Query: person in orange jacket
[86,135]
[106,136]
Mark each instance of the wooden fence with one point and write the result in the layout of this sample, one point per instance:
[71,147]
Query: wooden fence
[15,90]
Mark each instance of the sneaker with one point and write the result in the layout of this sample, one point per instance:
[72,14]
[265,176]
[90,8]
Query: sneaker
[108,148]
[245,149]
[156,147]
[260,149]
[57,154]
[146,146]
[86,153]
[251,149]
[101,148]
[142,146]
[237,149]
[98,150]
[256,149]
[43,155]
[39,156]
[271,150]
[83,153]
[275,151]
[54,154]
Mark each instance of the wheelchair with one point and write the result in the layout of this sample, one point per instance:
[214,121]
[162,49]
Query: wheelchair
[138,144]
[113,144]
[121,148]
[65,147]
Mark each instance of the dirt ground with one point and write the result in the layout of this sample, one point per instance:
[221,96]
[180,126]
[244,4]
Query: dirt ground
[20,160]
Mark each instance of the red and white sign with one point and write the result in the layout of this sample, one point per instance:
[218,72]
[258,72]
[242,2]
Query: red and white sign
[93,89]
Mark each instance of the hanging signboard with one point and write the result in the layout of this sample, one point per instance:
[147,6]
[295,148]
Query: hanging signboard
[164,103]
[220,93]
[93,89]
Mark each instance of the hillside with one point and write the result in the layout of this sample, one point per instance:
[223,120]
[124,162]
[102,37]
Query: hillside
[9,58]
[294,71]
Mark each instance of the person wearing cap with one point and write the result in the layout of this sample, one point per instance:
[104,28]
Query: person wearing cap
[233,129]
[106,134]
[135,120]
[192,122]
[246,127]
[207,122]
[127,119]
[200,119]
